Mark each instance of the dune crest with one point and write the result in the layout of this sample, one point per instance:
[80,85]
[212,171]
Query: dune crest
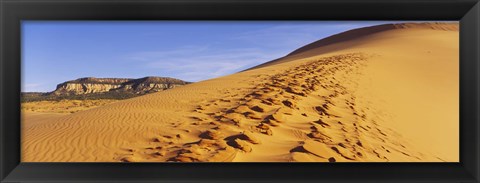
[366,31]
[321,46]
[375,98]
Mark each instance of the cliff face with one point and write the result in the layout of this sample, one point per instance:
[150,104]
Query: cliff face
[102,85]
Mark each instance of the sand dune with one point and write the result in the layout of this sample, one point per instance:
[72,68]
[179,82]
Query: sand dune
[63,106]
[383,95]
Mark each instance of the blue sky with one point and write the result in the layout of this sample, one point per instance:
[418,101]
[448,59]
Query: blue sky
[57,51]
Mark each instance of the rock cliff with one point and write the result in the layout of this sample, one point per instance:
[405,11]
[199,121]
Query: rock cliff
[92,85]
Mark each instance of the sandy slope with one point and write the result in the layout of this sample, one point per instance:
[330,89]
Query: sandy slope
[63,106]
[30,118]
[387,95]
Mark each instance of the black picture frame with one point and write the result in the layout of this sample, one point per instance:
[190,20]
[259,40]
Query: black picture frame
[12,12]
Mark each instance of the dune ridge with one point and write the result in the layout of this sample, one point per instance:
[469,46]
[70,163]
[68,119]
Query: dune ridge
[349,101]
[366,31]
[359,33]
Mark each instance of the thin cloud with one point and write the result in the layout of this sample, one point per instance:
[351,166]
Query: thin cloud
[206,63]
[294,35]
[201,62]
[239,51]
[147,55]
[32,87]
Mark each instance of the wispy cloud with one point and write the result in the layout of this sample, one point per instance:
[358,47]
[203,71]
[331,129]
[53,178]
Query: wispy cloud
[148,55]
[32,87]
[293,35]
[200,63]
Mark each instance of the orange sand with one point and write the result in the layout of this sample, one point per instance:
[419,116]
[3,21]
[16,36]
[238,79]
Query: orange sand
[63,106]
[387,94]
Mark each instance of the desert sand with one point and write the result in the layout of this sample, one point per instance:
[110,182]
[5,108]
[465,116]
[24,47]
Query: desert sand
[388,93]
[63,106]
